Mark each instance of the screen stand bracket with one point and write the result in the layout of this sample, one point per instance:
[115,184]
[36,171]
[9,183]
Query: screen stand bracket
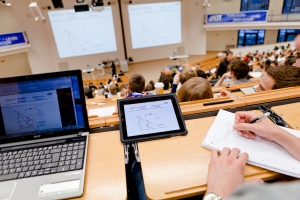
[136,152]
[126,157]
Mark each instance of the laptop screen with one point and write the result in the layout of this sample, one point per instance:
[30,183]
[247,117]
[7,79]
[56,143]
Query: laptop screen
[41,106]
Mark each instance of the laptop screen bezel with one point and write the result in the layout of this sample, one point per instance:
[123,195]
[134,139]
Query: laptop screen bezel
[35,77]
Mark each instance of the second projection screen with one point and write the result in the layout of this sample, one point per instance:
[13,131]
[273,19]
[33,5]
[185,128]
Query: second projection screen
[155,24]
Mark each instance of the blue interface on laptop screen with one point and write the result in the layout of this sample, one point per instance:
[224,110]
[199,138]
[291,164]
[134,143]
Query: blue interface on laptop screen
[40,106]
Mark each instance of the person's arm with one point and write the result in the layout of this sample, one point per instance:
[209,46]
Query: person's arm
[268,131]
[175,83]
[220,81]
[267,191]
[218,71]
[226,172]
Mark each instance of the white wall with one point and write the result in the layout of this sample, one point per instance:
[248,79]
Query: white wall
[8,22]
[271,36]
[217,40]
[14,65]
[220,6]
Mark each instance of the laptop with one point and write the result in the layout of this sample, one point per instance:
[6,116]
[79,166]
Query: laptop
[43,136]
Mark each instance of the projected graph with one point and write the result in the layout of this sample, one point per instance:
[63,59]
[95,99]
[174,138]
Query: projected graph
[29,118]
[155,36]
[79,44]
[150,121]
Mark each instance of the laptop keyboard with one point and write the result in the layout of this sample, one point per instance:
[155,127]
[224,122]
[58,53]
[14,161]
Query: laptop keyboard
[40,161]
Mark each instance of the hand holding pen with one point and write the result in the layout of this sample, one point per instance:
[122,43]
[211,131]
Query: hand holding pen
[250,124]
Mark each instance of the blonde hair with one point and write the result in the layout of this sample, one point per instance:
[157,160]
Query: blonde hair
[186,74]
[196,88]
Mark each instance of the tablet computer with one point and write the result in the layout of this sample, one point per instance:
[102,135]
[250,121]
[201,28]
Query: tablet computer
[150,117]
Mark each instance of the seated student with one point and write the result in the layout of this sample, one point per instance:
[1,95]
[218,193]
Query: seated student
[279,77]
[226,172]
[182,78]
[150,86]
[201,73]
[136,86]
[123,90]
[101,86]
[196,88]
[275,78]
[166,80]
[238,71]
[112,90]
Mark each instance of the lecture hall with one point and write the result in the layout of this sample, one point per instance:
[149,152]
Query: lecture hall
[149,99]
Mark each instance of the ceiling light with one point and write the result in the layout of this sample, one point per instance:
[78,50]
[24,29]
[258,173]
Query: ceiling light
[8,4]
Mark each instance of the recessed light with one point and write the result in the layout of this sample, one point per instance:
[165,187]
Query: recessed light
[8,4]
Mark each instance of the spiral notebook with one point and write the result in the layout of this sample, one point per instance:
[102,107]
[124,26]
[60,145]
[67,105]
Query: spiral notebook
[262,153]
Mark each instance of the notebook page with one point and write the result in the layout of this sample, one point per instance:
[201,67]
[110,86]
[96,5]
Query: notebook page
[261,152]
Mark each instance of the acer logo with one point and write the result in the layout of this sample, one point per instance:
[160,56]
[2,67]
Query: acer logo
[37,136]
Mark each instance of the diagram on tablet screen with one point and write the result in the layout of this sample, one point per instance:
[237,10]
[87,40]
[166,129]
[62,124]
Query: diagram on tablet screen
[150,121]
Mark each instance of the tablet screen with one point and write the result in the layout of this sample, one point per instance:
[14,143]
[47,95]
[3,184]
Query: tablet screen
[150,117]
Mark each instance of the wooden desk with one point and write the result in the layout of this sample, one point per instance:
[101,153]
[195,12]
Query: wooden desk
[177,167]
[290,113]
[105,169]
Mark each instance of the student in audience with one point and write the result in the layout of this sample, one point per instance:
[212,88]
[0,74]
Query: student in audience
[222,69]
[92,87]
[150,86]
[167,80]
[201,73]
[123,90]
[279,77]
[196,88]
[136,86]
[182,77]
[101,86]
[238,71]
[226,172]
[113,90]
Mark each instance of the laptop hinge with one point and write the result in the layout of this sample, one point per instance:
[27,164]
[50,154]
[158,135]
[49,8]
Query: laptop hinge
[126,158]
[80,133]
[136,152]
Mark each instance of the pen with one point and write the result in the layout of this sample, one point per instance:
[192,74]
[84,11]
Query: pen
[259,118]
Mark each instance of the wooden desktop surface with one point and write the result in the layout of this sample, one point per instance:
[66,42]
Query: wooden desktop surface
[177,167]
[290,113]
[105,176]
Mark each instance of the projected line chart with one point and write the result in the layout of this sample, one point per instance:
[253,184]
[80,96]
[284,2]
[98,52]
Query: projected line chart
[150,121]
[29,118]
[154,36]
[79,44]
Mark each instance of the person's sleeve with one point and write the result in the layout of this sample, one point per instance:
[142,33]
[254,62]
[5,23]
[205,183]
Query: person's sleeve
[275,191]
[174,88]
[219,69]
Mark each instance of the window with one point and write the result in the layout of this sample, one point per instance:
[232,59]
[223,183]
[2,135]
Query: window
[250,37]
[251,5]
[291,6]
[286,35]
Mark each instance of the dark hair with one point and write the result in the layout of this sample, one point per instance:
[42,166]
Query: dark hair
[239,68]
[150,86]
[136,83]
[290,60]
[166,80]
[284,76]
[228,52]
[201,73]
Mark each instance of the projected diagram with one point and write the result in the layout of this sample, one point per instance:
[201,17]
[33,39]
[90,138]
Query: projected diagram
[150,121]
[30,118]
[154,36]
[79,44]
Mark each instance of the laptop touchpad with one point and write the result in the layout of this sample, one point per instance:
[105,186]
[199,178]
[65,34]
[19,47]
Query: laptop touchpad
[6,190]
